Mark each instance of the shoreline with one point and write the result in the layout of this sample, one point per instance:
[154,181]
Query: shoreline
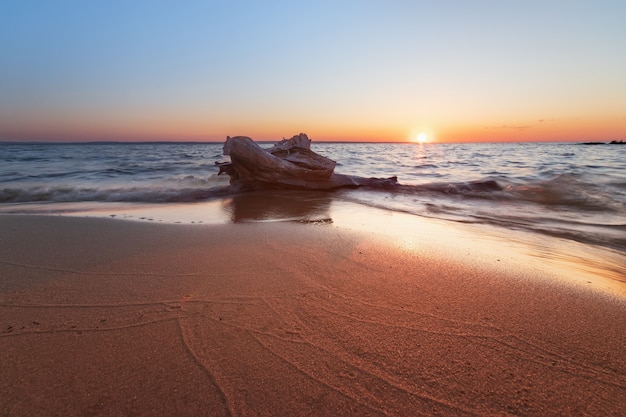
[105,316]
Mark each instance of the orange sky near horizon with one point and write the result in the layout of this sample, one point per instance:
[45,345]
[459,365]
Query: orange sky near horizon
[354,71]
[543,130]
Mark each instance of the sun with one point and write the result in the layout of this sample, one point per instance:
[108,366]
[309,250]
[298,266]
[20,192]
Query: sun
[421,137]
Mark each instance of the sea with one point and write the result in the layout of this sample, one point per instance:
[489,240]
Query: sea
[571,192]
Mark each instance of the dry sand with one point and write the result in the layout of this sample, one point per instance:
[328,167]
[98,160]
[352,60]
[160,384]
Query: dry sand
[109,317]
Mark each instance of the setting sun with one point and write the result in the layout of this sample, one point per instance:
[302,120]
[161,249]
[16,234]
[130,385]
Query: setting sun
[421,137]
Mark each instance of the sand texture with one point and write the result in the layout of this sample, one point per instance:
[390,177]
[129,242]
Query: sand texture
[114,318]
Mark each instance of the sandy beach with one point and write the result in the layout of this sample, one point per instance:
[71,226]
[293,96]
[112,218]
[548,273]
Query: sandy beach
[104,317]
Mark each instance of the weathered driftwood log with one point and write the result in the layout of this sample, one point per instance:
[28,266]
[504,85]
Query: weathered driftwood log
[289,164]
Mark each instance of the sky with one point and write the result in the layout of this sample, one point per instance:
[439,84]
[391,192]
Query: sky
[448,71]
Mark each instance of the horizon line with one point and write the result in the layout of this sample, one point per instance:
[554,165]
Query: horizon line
[209,142]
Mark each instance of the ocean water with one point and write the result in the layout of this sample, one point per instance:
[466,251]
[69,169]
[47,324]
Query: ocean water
[568,191]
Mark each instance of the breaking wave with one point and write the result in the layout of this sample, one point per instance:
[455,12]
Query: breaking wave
[187,189]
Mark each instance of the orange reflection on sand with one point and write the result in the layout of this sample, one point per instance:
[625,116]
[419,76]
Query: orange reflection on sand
[499,250]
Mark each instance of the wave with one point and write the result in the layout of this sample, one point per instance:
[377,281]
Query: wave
[186,189]
[568,192]
[131,195]
[559,192]
[563,206]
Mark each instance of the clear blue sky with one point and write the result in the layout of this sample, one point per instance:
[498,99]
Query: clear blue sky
[373,70]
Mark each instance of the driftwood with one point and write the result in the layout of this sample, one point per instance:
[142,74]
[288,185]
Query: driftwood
[289,164]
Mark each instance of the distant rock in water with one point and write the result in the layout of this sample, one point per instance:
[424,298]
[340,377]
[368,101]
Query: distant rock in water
[613,142]
[289,164]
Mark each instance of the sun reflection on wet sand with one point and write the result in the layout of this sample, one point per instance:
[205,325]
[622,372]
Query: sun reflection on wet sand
[538,257]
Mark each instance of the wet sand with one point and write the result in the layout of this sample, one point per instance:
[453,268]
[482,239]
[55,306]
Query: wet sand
[111,317]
